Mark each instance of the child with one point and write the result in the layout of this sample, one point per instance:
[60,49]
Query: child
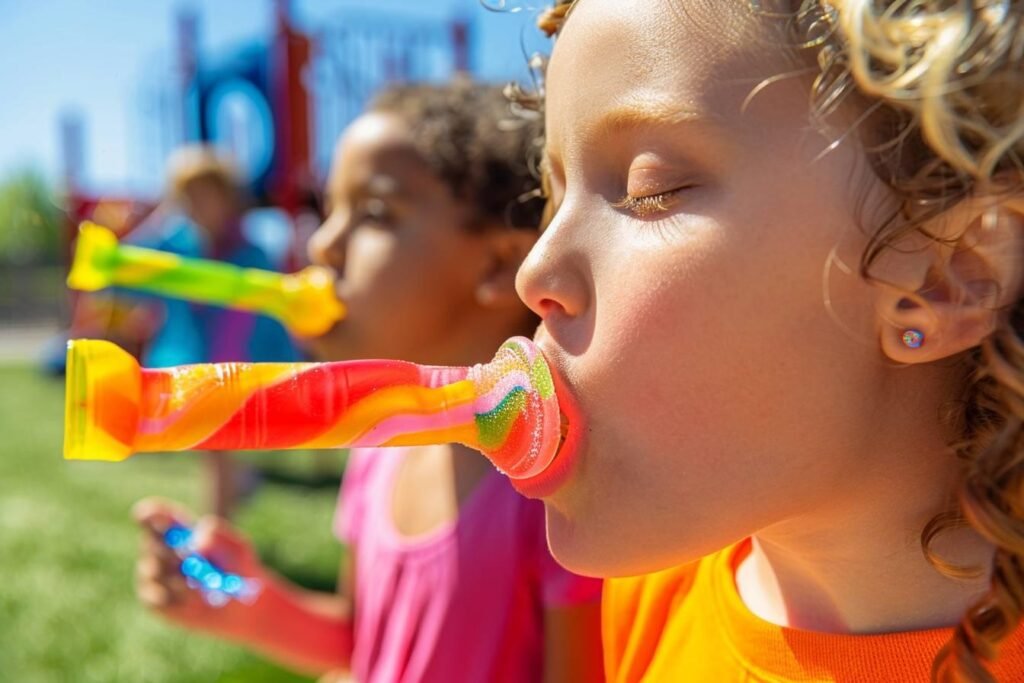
[451,579]
[769,322]
[204,198]
[204,189]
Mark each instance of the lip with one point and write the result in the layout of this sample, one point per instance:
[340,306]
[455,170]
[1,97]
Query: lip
[566,460]
[341,295]
[339,288]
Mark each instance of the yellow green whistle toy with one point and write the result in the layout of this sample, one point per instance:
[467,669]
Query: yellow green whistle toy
[305,302]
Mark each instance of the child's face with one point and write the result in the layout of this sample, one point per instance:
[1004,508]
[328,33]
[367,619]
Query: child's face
[210,205]
[396,237]
[716,396]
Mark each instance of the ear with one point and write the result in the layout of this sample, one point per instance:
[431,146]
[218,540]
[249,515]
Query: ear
[506,249]
[953,285]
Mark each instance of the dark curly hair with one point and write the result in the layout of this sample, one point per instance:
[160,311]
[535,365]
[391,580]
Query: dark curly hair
[469,136]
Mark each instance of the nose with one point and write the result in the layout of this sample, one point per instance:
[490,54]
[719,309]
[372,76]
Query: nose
[327,246]
[553,280]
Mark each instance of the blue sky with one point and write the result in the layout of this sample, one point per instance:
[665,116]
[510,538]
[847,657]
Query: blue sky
[92,57]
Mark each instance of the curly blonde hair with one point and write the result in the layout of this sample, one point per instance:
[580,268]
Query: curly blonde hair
[939,86]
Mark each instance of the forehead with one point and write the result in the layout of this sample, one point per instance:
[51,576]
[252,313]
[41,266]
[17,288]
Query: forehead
[374,137]
[701,57]
[377,144]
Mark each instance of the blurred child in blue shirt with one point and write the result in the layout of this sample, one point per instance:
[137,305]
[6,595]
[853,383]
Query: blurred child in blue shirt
[202,217]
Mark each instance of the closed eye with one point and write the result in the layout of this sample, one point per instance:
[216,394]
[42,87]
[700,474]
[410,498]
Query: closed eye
[649,205]
[374,210]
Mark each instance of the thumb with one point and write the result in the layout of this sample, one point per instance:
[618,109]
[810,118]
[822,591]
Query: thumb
[156,515]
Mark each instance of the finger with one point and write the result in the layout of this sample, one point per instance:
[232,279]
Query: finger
[178,590]
[159,597]
[158,569]
[163,590]
[153,595]
[153,546]
[150,569]
[158,514]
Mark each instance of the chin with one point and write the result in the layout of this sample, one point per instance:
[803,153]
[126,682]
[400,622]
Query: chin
[330,346]
[569,549]
[589,550]
[596,542]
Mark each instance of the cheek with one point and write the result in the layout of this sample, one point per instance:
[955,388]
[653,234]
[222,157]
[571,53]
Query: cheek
[658,335]
[708,365]
[708,328]
[370,252]
[409,276]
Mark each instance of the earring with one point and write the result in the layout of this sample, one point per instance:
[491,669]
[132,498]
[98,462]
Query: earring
[913,339]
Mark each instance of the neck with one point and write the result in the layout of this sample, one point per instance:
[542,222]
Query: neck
[859,567]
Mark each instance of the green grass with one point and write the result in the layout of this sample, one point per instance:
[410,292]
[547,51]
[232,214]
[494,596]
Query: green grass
[68,544]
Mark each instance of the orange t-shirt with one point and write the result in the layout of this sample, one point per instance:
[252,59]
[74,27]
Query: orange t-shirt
[688,624]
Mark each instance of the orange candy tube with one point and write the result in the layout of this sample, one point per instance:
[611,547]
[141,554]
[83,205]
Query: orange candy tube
[506,408]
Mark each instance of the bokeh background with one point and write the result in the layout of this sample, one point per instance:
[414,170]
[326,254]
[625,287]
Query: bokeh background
[95,96]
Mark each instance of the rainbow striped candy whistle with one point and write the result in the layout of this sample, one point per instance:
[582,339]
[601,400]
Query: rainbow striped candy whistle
[305,302]
[217,586]
[506,408]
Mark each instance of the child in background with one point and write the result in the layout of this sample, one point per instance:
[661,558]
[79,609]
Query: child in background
[202,218]
[769,322]
[205,206]
[432,207]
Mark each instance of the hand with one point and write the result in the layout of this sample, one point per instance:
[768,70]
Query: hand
[160,585]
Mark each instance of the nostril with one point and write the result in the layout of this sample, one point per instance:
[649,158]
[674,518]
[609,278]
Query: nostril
[548,307]
[318,249]
[332,255]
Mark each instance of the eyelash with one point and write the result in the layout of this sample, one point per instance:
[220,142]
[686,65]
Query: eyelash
[648,205]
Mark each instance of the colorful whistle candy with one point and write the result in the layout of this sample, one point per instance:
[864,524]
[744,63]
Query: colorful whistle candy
[305,302]
[217,586]
[506,408]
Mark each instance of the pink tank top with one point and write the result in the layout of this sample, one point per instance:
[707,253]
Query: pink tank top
[464,602]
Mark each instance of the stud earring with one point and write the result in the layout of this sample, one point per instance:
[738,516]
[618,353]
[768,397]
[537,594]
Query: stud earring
[913,339]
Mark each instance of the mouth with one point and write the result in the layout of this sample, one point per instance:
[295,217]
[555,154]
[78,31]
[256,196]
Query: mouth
[339,288]
[571,433]
[341,294]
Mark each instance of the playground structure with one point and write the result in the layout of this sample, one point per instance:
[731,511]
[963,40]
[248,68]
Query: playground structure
[274,106]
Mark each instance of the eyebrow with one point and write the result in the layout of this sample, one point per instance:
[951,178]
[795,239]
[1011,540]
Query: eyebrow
[640,113]
[377,185]
[381,184]
[646,113]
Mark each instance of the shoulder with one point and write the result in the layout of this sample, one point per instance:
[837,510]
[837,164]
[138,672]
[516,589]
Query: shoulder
[637,611]
[366,471]
[1009,666]
[360,489]
[257,247]
[172,234]
[366,464]
[251,255]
